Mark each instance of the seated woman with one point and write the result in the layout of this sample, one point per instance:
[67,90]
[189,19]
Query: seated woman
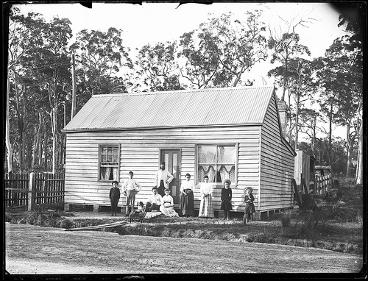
[167,207]
[154,201]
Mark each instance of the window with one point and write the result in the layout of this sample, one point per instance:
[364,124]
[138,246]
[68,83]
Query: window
[109,156]
[217,162]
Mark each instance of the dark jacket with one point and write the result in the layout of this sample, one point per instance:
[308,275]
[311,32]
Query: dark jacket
[226,196]
[114,193]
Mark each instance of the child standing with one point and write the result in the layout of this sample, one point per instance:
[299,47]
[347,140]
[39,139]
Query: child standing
[249,205]
[114,197]
[226,195]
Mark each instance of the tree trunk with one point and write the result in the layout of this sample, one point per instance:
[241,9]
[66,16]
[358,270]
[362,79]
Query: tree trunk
[348,149]
[237,79]
[297,120]
[36,143]
[313,142]
[285,82]
[330,137]
[359,170]
[40,148]
[7,134]
[20,124]
[54,139]
[45,150]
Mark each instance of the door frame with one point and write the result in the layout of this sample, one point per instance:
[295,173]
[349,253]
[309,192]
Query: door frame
[179,162]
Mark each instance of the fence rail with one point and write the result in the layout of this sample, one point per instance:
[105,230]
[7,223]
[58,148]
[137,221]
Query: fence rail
[31,190]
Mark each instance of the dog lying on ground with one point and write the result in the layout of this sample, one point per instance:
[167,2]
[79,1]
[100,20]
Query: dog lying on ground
[138,214]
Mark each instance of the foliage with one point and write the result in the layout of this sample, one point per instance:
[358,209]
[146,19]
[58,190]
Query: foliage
[38,73]
[100,56]
[158,67]
[222,50]
[285,49]
[339,76]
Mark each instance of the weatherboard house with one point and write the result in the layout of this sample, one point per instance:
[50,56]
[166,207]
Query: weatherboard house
[225,133]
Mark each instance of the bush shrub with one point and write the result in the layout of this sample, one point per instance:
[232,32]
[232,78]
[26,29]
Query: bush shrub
[66,223]
[285,220]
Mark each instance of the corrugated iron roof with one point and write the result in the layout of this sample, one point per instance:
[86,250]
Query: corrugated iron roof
[204,107]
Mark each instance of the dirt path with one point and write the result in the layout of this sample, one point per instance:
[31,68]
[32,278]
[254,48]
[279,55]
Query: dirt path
[41,250]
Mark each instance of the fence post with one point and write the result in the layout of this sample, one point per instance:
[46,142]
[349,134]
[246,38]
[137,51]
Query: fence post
[30,191]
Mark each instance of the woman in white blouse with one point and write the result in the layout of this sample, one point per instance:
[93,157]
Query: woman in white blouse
[186,197]
[167,206]
[205,207]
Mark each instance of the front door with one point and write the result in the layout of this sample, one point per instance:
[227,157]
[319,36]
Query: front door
[172,160]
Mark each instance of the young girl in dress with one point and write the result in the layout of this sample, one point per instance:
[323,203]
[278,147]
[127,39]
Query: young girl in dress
[249,205]
[226,195]
[167,206]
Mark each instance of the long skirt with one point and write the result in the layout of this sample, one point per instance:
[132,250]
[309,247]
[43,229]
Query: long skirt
[168,211]
[205,207]
[226,205]
[187,203]
[114,204]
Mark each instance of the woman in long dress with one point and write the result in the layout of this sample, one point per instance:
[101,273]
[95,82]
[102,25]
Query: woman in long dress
[167,206]
[205,207]
[187,198]
[226,196]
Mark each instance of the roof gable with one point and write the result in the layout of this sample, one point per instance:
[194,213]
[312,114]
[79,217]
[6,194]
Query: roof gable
[204,107]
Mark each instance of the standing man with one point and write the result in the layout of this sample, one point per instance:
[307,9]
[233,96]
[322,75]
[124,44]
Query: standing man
[131,187]
[163,179]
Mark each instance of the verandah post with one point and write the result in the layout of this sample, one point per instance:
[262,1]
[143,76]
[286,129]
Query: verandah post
[30,191]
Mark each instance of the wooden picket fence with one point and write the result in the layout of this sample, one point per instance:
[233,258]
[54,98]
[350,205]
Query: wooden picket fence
[16,190]
[31,191]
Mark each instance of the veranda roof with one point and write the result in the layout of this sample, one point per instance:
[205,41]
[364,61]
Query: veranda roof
[187,108]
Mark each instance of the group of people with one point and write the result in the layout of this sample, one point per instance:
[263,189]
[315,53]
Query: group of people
[162,201]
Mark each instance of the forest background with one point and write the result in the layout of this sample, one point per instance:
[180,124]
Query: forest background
[222,51]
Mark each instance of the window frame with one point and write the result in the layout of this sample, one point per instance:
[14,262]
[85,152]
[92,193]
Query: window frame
[235,145]
[100,146]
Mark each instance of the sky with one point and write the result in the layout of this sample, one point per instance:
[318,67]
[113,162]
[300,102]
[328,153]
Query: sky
[150,23]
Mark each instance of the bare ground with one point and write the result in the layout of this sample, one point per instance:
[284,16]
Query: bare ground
[44,250]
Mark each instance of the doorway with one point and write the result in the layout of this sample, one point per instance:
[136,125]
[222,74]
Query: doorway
[172,160]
